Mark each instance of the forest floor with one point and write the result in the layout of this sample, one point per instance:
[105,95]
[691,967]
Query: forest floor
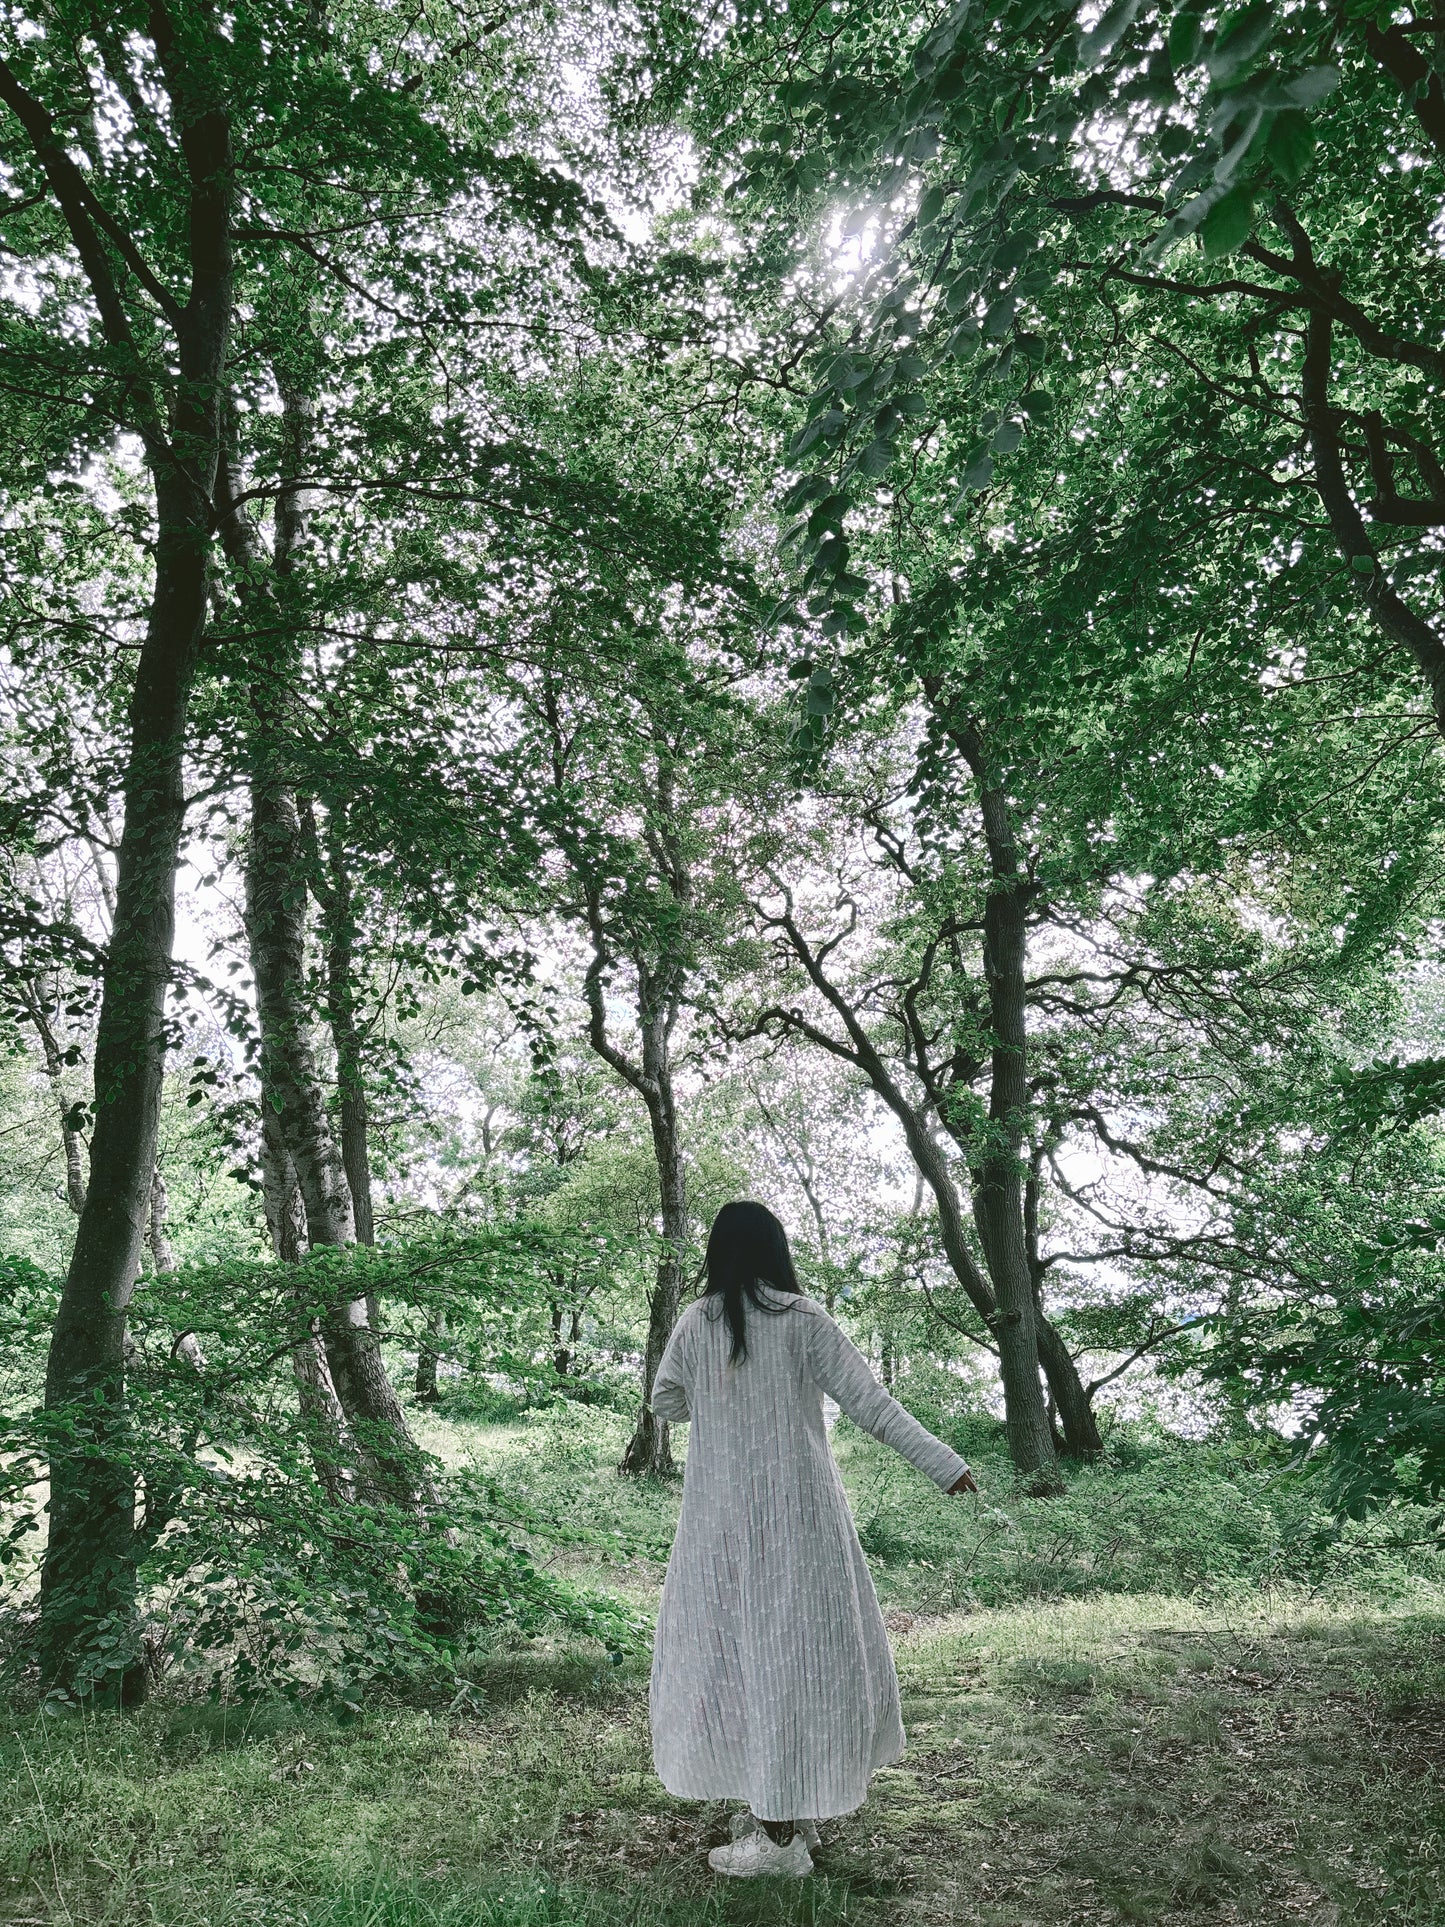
[1262,1757]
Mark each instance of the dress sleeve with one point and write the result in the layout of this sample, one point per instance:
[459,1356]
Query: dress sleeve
[674,1378]
[840,1370]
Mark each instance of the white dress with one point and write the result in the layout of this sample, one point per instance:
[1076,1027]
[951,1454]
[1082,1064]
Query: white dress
[772,1677]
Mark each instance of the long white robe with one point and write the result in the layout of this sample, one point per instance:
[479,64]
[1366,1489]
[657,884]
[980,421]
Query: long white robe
[772,1677]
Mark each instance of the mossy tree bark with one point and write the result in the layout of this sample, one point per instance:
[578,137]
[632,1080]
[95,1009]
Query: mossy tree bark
[89,1639]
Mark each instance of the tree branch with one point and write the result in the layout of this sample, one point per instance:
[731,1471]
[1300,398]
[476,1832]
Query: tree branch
[1393,615]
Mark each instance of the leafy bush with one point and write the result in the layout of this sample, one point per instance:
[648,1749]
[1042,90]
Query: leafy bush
[255,1579]
[1161,1515]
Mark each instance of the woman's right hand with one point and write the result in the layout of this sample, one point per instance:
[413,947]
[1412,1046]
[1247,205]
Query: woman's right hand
[965,1482]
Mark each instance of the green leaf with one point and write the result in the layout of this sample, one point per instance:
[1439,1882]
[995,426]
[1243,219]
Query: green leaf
[1410,566]
[1241,36]
[930,207]
[1243,138]
[877,457]
[847,372]
[1312,86]
[960,293]
[962,290]
[1101,41]
[1006,437]
[822,429]
[828,514]
[1228,224]
[1000,317]
[1291,145]
[950,83]
[803,492]
[1186,31]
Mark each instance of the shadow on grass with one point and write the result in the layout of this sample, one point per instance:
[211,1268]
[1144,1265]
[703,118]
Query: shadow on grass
[532,1903]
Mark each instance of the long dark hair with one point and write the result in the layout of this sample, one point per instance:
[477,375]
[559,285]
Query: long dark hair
[746,1249]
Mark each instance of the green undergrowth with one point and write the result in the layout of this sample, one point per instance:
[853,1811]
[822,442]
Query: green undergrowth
[1158,1515]
[1255,1738]
[1113,1759]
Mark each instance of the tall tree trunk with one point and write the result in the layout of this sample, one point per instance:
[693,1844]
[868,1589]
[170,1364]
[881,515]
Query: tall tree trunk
[339,911]
[338,905]
[649,1450]
[89,1579]
[1030,1436]
[1029,1433]
[659,955]
[276,901]
[1080,1423]
[428,1356]
[1069,1398]
[999,1191]
[561,1358]
[276,925]
[323,1423]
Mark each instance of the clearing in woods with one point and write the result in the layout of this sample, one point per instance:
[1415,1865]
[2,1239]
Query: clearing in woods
[1265,1757]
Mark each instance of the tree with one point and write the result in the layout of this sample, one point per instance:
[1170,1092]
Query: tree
[154,361]
[565,1111]
[1007,1306]
[273,105]
[634,894]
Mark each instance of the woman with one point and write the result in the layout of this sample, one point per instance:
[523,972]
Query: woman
[772,1678]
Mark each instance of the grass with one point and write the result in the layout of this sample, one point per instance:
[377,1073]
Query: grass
[1243,1753]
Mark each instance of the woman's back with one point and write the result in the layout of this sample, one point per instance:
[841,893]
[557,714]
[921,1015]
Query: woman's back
[764,1412]
[772,1678]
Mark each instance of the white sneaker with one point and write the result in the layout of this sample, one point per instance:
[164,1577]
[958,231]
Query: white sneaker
[756,1855]
[747,1822]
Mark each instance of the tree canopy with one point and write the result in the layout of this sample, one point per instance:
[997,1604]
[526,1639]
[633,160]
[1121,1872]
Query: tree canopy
[602,610]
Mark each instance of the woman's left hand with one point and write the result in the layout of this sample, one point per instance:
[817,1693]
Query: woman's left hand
[965,1482]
